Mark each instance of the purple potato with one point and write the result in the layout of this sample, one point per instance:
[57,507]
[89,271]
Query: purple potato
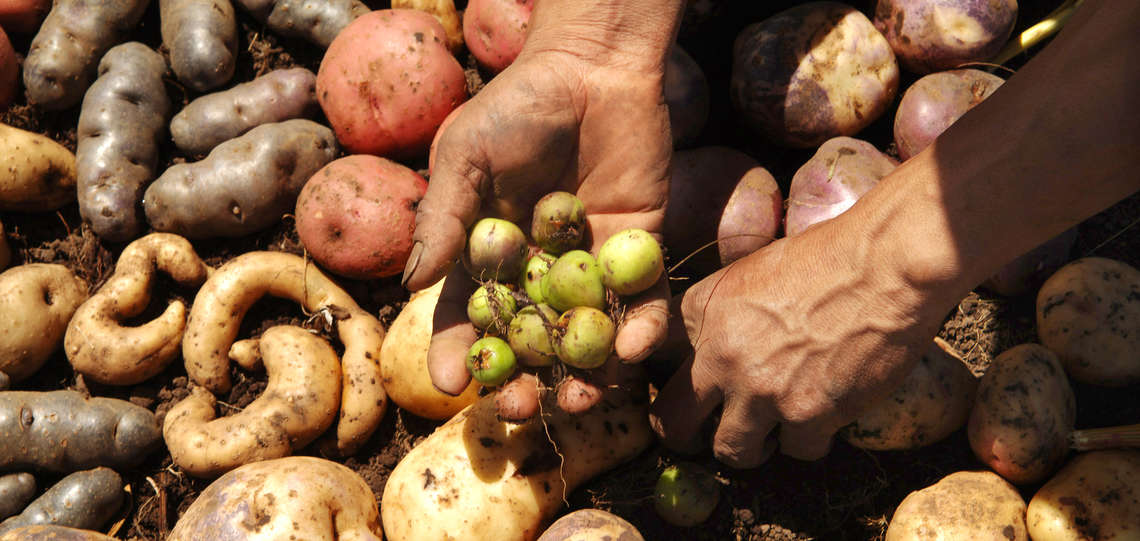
[1031,269]
[202,38]
[840,172]
[811,73]
[687,95]
[936,35]
[936,101]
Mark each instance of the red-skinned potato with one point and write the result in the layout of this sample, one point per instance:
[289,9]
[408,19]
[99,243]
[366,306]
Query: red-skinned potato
[387,82]
[495,30]
[357,214]
[936,101]
[22,16]
[840,172]
[935,35]
[9,70]
[687,95]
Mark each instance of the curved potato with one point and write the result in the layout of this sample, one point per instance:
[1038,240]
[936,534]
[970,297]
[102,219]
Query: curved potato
[316,22]
[121,125]
[52,533]
[229,292]
[1095,496]
[298,404]
[16,490]
[963,505]
[296,497]
[100,346]
[36,302]
[36,173]
[591,525]
[244,185]
[84,499]
[201,36]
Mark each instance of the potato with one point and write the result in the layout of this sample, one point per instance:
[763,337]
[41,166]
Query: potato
[121,124]
[812,72]
[963,506]
[722,182]
[935,102]
[201,36]
[591,525]
[687,95]
[1029,270]
[387,83]
[213,119]
[1095,496]
[936,35]
[287,498]
[475,467]
[220,305]
[931,403]
[1023,415]
[403,361]
[63,431]
[1088,313]
[840,172]
[72,39]
[298,404]
[52,533]
[444,12]
[22,16]
[36,302]
[84,499]
[9,70]
[357,214]
[101,346]
[36,173]
[495,30]
[316,22]
[16,490]
[244,185]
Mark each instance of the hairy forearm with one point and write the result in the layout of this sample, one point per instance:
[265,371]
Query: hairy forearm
[618,33]
[1051,147]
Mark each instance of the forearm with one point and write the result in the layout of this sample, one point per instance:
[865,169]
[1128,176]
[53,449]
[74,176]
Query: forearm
[1056,144]
[618,33]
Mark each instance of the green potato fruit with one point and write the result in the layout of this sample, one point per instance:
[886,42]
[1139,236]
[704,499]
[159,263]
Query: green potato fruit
[531,278]
[491,361]
[559,222]
[631,261]
[574,279]
[584,337]
[491,307]
[529,335]
[686,494]
[496,250]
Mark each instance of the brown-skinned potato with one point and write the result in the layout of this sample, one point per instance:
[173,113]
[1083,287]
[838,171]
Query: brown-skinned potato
[84,499]
[98,343]
[16,490]
[36,302]
[316,22]
[201,36]
[52,533]
[36,173]
[222,302]
[963,506]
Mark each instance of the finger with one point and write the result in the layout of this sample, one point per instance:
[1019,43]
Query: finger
[682,406]
[452,335]
[517,400]
[741,439]
[646,323]
[577,395]
[805,442]
[449,207]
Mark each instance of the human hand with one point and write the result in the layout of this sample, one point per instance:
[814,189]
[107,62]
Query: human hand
[551,121]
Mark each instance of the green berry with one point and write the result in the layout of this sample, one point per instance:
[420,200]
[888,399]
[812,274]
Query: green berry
[631,261]
[491,361]
[531,278]
[529,335]
[584,337]
[496,250]
[491,307]
[559,222]
[574,279]
[686,494]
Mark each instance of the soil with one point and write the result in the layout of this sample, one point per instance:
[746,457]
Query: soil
[850,494]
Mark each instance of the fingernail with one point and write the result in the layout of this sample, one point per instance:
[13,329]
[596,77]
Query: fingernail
[413,262]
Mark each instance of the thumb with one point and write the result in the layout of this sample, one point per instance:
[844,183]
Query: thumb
[450,206]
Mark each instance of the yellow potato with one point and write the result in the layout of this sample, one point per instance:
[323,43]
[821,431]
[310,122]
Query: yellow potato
[403,362]
[591,525]
[36,173]
[963,506]
[444,12]
[1095,496]
[36,302]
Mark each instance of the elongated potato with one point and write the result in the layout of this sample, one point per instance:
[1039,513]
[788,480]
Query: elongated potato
[244,185]
[84,499]
[101,347]
[121,124]
[52,533]
[75,34]
[64,431]
[316,22]
[36,302]
[963,506]
[298,404]
[225,298]
[16,490]
[215,118]
[591,525]
[403,361]
[476,466]
[1095,496]
[36,173]
[300,497]
[201,36]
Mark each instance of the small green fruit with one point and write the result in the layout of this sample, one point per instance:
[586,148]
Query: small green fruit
[559,222]
[686,494]
[531,278]
[574,279]
[491,307]
[631,261]
[496,250]
[491,361]
[529,335]
[584,337]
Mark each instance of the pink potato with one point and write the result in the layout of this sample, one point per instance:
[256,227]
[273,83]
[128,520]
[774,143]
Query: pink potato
[9,70]
[936,35]
[840,172]
[687,95]
[22,16]
[495,30]
[387,82]
[811,73]
[936,101]
[357,214]
[727,184]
